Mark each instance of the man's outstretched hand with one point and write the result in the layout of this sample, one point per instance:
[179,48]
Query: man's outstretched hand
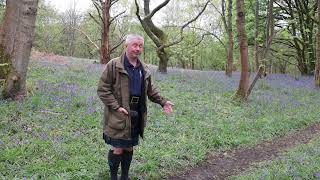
[168,107]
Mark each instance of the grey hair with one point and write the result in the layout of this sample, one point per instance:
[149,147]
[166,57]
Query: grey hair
[130,37]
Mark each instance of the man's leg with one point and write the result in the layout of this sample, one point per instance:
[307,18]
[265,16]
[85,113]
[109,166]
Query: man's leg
[125,163]
[114,159]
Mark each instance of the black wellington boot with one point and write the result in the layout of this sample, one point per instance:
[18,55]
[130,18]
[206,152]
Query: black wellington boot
[125,164]
[114,161]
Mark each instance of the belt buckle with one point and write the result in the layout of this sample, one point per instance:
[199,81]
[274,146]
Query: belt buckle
[134,100]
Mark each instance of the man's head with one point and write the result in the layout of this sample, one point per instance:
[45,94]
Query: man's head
[134,46]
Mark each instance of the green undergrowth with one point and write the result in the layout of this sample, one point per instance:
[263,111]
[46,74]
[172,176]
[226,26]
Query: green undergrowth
[56,132]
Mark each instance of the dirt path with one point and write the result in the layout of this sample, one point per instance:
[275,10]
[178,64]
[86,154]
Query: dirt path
[225,164]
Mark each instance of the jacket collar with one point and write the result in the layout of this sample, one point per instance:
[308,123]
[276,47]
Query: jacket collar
[120,66]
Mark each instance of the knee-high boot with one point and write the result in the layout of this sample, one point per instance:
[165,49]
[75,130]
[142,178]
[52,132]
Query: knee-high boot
[114,161]
[125,164]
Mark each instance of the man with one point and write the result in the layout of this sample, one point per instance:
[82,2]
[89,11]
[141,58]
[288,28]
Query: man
[123,88]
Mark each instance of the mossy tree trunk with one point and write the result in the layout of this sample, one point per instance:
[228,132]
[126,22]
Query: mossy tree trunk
[16,37]
[158,37]
[4,64]
[164,58]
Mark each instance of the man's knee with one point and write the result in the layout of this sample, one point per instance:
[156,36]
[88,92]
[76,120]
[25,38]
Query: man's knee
[120,150]
[117,150]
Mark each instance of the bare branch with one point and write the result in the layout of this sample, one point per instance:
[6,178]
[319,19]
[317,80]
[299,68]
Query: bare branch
[115,17]
[211,33]
[202,37]
[217,9]
[155,10]
[138,10]
[195,18]
[98,8]
[206,34]
[147,29]
[184,26]
[113,2]
[116,46]
[94,19]
[87,36]
[223,14]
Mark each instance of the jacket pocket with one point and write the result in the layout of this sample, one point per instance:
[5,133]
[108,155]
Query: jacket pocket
[117,120]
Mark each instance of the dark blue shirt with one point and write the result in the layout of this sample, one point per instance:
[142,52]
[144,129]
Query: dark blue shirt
[135,77]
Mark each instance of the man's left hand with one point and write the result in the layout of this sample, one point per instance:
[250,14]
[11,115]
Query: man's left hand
[168,107]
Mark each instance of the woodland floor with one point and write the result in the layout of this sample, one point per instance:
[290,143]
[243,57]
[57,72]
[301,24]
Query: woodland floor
[225,164]
[233,162]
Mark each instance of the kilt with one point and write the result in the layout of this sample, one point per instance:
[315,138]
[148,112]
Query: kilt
[121,143]
[135,131]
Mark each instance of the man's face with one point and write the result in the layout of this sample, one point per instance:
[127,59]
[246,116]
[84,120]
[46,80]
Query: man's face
[134,48]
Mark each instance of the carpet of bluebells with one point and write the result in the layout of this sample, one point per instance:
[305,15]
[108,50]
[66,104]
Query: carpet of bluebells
[56,132]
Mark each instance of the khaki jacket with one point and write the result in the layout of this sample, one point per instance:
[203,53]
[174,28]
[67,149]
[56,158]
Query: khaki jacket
[114,92]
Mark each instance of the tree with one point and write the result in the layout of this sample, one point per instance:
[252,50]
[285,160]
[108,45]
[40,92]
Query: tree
[242,91]
[17,34]
[105,20]
[256,36]
[228,28]
[269,33]
[48,30]
[105,51]
[317,69]
[157,35]
[299,16]
[71,21]
[103,8]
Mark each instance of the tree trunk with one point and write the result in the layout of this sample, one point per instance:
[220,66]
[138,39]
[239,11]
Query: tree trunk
[242,91]
[105,20]
[269,35]
[230,41]
[105,47]
[16,39]
[317,69]
[259,74]
[163,63]
[256,36]
[158,36]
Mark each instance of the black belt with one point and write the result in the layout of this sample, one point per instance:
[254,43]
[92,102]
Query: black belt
[134,99]
[134,106]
